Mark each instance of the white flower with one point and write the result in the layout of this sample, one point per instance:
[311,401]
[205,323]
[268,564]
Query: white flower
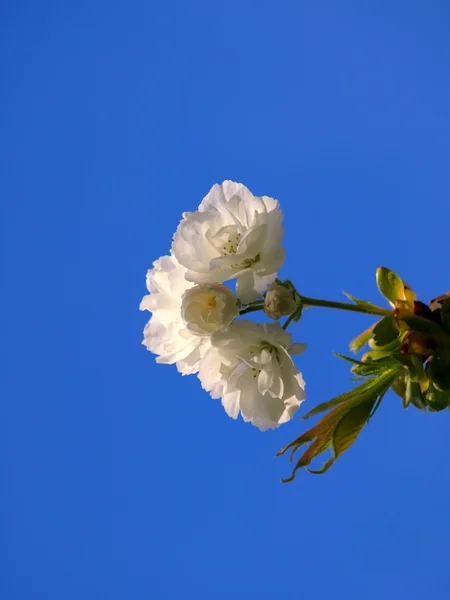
[250,366]
[232,234]
[208,308]
[279,301]
[166,334]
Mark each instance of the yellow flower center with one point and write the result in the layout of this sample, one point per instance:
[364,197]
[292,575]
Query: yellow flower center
[211,301]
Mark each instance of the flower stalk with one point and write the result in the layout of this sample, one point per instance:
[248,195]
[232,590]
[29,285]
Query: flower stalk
[305,302]
[372,310]
[250,309]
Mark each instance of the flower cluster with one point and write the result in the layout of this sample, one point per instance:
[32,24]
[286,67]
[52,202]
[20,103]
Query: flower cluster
[196,325]
[232,235]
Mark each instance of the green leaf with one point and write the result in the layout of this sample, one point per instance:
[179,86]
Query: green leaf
[416,370]
[376,355]
[362,339]
[339,428]
[385,332]
[298,311]
[413,395]
[320,438]
[359,393]
[399,386]
[437,400]
[387,348]
[362,303]
[438,370]
[422,325]
[350,426]
[445,313]
[371,367]
[390,285]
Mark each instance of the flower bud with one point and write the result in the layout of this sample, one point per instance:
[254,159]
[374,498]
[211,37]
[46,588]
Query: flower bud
[279,301]
[208,308]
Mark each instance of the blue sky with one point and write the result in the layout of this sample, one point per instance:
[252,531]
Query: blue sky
[120,478]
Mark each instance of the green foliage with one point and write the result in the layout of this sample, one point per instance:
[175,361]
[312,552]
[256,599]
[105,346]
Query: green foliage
[437,399]
[370,367]
[298,311]
[409,351]
[438,371]
[361,340]
[399,386]
[445,315]
[362,303]
[390,285]
[385,332]
[422,325]
[413,395]
[340,427]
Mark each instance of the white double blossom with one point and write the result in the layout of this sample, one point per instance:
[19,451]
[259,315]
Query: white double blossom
[183,315]
[166,334]
[233,234]
[208,308]
[249,365]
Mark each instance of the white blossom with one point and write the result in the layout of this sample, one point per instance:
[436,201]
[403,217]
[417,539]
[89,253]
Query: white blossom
[249,365]
[208,308]
[233,234]
[166,334]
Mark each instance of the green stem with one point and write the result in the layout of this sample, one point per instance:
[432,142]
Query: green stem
[304,302]
[249,309]
[292,316]
[375,310]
